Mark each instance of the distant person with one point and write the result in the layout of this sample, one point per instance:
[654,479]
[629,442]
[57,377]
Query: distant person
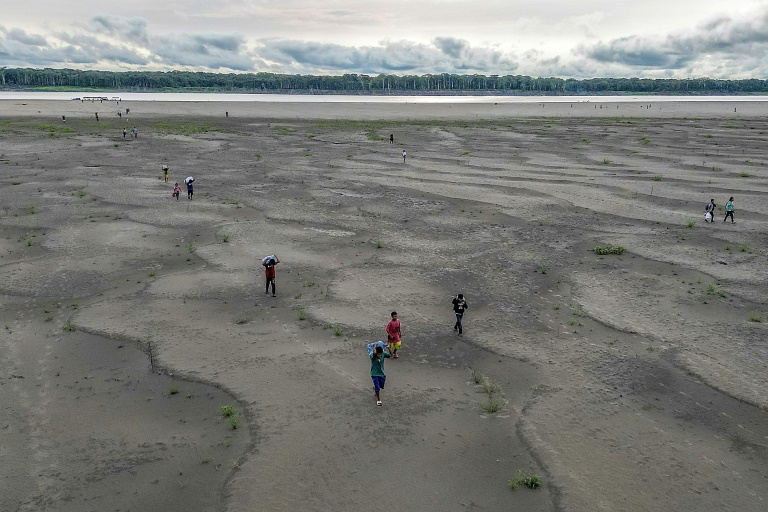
[64,119]
[125,132]
[190,190]
[127,111]
[165,173]
[135,133]
[729,210]
[377,370]
[97,116]
[710,209]
[391,138]
[393,335]
[459,307]
[176,189]
[226,113]
[269,273]
[404,155]
[119,114]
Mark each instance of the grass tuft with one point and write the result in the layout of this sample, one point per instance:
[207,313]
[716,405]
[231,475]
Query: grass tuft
[609,249]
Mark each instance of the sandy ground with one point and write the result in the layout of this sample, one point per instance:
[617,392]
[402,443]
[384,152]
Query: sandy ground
[633,382]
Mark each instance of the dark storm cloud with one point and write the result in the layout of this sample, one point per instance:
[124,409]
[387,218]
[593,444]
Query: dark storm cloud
[124,42]
[726,38]
[450,46]
[24,38]
[445,54]
[202,50]
[134,29]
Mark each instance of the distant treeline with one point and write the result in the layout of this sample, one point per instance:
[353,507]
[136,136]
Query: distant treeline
[64,79]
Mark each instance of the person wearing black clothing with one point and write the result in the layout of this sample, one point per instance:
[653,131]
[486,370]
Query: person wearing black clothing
[459,306]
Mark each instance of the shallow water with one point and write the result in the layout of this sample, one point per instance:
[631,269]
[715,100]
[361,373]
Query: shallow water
[344,98]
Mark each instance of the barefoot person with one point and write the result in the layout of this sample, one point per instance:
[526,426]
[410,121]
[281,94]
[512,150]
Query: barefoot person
[459,306]
[377,370]
[269,264]
[729,210]
[176,190]
[393,335]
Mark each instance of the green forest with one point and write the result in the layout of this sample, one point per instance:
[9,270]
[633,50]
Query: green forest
[186,81]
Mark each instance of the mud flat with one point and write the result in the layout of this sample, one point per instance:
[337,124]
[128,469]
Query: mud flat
[631,381]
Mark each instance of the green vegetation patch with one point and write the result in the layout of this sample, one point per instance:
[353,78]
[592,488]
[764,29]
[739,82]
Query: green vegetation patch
[609,249]
[165,128]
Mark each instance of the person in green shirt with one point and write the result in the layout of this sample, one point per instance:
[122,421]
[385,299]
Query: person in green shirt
[377,370]
[729,210]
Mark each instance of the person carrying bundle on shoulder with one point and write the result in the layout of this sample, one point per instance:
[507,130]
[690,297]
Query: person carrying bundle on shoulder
[269,263]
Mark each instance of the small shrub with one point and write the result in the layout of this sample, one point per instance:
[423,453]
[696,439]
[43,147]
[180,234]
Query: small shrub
[477,377]
[606,161]
[233,422]
[32,210]
[173,391]
[242,319]
[744,174]
[225,238]
[227,410]
[609,249]
[543,269]
[69,326]
[645,140]
[657,177]
[711,289]
[650,348]
[756,318]
[301,315]
[493,404]
[378,244]
[152,274]
[489,387]
[691,223]
[191,247]
[727,247]
[531,481]
[745,248]
[338,330]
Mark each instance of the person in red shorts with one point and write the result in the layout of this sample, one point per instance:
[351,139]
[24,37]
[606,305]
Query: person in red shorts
[269,265]
[393,335]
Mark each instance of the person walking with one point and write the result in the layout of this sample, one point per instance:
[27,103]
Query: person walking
[391,138]
[404,155]
[269,272]
[729,210]
[377,370]
[124,132]
[190,190]
[165,174]
[393,335]
[459,307]
[176,190]
[135,133]
[710,209]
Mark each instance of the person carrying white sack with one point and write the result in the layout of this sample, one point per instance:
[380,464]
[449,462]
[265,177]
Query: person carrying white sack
[269,263]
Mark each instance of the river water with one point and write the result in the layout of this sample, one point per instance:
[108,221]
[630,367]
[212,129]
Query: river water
[339,98]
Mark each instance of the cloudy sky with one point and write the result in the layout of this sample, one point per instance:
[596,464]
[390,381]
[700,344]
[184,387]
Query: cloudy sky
[565,38]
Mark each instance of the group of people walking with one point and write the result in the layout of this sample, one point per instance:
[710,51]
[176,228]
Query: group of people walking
[379,351]
[709,216]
